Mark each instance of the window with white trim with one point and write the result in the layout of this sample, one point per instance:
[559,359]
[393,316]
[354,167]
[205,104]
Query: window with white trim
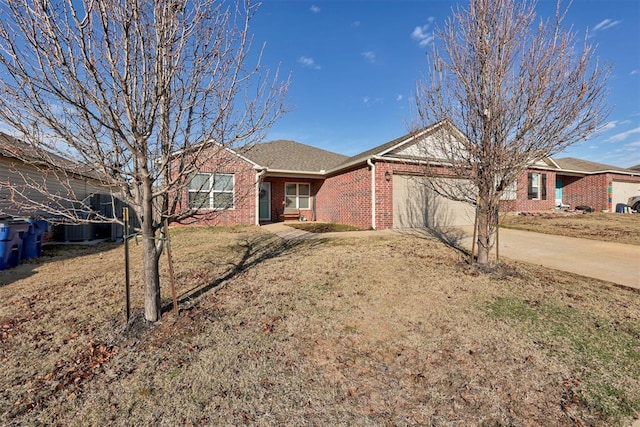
[211,191]
[297,195]
[537,186]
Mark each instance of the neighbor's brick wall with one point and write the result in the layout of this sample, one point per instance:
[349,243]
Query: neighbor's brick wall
[244,211]
[346,198]
[592,190]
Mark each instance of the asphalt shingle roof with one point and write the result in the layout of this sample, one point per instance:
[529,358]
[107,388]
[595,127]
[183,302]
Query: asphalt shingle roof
[13,147]
[579,165]
[292,156]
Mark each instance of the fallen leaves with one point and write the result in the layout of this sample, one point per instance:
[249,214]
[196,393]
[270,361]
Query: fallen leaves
[69,375]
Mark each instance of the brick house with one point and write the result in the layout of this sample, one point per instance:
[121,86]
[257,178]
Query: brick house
[574,182]
[383,187]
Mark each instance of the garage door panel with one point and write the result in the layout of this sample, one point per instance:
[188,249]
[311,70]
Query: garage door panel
[416,205]
[622,191]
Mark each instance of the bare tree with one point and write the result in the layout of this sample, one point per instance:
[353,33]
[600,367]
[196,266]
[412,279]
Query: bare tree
[141,92]
[518,87]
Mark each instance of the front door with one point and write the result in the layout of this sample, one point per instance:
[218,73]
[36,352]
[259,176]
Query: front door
[264,202]
[558,191]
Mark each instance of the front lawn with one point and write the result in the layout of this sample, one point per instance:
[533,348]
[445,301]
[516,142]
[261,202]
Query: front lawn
[322,227]
[387,330]
[608,227]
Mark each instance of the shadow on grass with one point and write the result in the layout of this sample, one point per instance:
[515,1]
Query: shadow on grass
[50,253]
[255,250]
[450,236]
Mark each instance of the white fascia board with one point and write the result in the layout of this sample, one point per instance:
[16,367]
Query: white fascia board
[411,161]
[400,144]
[561,171]
[294,174]
[553,162]
[251,162]
[410,139]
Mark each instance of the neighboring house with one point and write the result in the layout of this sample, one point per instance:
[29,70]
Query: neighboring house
[24,187]
[383,187]
[574,182]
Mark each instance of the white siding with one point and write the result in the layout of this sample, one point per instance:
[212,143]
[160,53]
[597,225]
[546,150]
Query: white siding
[430,147]
[12,173]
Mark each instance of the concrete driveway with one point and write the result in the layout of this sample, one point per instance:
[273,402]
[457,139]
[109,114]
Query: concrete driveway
[613,262]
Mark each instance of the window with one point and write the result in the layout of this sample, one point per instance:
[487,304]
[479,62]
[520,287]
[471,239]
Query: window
[211,191]
[537,186]
[297,195]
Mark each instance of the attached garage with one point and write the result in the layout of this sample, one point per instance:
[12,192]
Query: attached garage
[417,205]
[622,191]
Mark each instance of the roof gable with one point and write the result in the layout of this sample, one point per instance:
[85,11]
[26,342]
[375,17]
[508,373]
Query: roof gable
[413,145]
[426,145]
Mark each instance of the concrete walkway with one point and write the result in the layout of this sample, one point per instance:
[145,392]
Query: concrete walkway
[286,232]
[613,262]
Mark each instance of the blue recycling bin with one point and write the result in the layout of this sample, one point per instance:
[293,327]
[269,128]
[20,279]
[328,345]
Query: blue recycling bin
[32,240]
[622,208]
[11,242]
[8,247]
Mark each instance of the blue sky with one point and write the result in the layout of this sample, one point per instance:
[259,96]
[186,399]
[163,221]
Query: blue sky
[354,64]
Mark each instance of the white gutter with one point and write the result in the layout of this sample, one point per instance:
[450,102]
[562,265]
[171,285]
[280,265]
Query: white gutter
[373,193]
[258,176]
[302,174]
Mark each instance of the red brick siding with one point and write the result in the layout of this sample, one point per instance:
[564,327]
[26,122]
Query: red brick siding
[592,190]
[346,198]
[384,195]
[244,211]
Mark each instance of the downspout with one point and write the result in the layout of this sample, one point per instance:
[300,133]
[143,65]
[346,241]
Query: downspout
[258,179]
[373,193]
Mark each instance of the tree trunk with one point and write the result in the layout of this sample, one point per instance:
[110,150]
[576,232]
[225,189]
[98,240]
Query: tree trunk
[151,274]
[150,259]
[484,232]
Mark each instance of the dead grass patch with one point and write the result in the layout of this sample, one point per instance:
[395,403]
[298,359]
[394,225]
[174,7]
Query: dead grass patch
[383,331]
[322,227]
[608,227]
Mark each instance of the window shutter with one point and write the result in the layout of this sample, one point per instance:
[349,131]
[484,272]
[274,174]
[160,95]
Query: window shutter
[544,186]
[531,196]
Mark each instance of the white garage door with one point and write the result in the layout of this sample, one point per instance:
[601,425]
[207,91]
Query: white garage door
[622,191]
[415,205]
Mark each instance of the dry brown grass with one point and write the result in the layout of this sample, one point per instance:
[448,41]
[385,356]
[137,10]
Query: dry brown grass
[389,330]
[608,227]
